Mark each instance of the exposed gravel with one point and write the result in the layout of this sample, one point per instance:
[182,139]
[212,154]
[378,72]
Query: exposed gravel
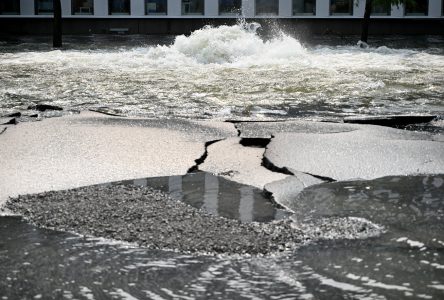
[152,219]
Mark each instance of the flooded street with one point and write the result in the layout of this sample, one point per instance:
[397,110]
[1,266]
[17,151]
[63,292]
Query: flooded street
[228,71]
[334,235]
[406,261]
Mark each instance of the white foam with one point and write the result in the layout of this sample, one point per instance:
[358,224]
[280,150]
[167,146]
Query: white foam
[123,295]
[220,66]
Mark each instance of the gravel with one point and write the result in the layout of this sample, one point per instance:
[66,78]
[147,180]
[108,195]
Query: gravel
[152,219]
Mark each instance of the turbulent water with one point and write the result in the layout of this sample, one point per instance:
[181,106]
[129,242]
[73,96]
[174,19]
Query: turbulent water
[223,72]
[407,262]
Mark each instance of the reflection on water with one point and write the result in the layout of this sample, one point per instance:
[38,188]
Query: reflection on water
[406,262]
[216,195]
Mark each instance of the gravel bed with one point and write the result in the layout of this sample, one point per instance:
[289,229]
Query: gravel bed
[152,219]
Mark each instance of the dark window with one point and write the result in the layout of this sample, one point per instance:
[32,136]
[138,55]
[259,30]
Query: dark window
[192,7]
[341,7]
[44,7]
[267,7]
[304,7]
[156,7]
[119,7]
[381,9]
[230,7]
[9,7]
[417,8]
[82,7]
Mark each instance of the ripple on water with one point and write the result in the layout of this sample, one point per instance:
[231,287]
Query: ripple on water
[201,74]
[405,261]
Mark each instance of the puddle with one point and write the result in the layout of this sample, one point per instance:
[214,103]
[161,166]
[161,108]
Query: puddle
[215,195]
[410,207]
[405,262]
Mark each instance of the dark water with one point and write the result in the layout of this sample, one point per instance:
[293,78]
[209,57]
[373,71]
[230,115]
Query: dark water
[216,195]
[405,262]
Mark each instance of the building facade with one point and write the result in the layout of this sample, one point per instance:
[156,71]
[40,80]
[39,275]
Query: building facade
[199,12]
[217,9]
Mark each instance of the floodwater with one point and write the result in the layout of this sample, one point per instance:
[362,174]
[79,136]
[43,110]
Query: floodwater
[225,72]
[215,195]
[405,262]
[231,72]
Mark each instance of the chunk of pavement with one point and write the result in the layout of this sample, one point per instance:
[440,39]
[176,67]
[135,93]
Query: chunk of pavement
[14,115]
[44,107]
[12,121]
[391,121]
[201,130]
[230,159]
[268,129]
[368,153]
[285,190]
[84,149]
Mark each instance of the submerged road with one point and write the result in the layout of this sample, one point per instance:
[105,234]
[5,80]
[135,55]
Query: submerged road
[363,204]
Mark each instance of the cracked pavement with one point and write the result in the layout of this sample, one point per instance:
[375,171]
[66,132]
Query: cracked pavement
[91,148]
[280,158]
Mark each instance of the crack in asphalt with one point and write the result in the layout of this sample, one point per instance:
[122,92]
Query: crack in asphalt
[204,156]
[323,178]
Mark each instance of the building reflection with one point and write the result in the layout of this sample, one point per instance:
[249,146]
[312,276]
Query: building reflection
[216,195]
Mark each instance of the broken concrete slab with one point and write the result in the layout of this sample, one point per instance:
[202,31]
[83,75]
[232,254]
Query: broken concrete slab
[44,107]
[89,148]
[284,191]
[391,121]
[201,131]
[13,115]
[228,158]
[268,129]
[12,121]
[367,153]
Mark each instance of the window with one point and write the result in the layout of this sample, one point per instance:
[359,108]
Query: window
[304,7]
[10,7]
[341,7]
[83,7]
[230,7]
[119,7]
[267,7]
[417,8]
[192,7]
[155,7]
[44,7]
[381,9]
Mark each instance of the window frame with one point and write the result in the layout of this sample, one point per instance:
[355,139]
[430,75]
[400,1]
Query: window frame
[36,8]
[265,14]
[294,13]
[12,13]
[74,13]
[236,12]
[110,13]
[147,13]
[341,13]
[406,14]
[182,8]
